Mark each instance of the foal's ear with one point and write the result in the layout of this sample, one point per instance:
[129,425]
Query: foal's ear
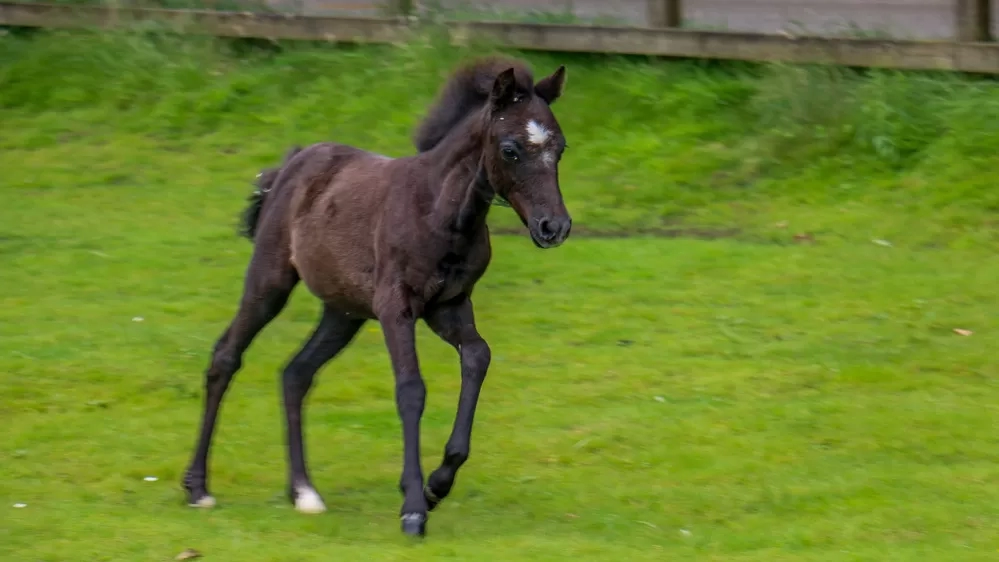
[550,88]
[504,89]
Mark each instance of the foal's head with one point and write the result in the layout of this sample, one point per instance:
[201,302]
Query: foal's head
[522,148]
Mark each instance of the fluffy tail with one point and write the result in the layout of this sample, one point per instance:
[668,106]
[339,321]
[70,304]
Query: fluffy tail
[264,185]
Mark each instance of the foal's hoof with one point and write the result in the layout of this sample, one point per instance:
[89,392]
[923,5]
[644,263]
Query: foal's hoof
[308,501]
[204,502]
[414,524]
[197,491]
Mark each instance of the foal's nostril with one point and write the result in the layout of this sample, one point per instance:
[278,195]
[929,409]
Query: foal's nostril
[547,229]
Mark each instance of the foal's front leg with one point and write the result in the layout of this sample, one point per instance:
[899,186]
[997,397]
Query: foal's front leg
[399,326]
[454,322]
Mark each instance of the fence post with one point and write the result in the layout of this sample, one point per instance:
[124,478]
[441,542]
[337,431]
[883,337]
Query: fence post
[664,13]
[973,20]
[401,7]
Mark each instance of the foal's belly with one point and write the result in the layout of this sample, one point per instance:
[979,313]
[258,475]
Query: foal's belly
[338,272]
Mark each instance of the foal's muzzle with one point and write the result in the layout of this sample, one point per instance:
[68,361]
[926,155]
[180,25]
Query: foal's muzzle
[549,232]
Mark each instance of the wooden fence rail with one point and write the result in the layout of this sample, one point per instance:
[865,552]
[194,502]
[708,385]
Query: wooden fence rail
[966,56]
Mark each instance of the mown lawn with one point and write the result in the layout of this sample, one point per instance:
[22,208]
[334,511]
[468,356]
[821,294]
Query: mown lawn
[776,376]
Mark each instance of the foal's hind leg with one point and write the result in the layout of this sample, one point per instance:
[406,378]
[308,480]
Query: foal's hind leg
[334,332]
[265,293]
[454,322]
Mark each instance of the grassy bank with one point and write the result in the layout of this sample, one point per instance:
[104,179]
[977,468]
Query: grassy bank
[775,378]
[655,145]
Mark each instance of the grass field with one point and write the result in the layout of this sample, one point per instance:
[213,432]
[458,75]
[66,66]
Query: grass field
[746,351]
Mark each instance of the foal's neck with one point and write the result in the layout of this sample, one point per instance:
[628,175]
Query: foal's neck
[462,191]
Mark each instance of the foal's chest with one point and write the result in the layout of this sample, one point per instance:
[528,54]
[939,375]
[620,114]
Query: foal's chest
[454,274]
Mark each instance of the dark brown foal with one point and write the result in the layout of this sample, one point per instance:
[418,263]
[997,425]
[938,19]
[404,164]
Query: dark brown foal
[395,240]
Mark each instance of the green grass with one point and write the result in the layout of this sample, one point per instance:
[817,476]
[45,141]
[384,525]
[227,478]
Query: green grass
[766,379]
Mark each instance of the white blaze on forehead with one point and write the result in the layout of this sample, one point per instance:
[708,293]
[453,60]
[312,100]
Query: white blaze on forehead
[537,133]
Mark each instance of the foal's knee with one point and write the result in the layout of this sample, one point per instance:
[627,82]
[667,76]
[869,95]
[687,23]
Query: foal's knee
[475,358]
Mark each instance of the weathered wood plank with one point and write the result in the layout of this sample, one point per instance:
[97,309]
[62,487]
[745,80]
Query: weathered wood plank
[221,24]
[914,55]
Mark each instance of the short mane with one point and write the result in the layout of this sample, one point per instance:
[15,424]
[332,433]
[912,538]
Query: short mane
[466,91]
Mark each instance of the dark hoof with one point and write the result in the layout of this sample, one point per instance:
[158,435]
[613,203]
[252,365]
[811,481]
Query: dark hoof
[432,499]
[414,524]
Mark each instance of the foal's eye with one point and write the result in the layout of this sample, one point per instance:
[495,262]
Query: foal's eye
[509,154]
